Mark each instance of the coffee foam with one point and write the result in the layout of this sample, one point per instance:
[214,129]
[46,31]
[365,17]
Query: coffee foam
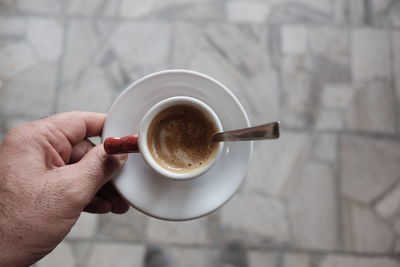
[179,138]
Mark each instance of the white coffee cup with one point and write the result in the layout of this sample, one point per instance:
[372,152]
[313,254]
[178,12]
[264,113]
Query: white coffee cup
[138,143]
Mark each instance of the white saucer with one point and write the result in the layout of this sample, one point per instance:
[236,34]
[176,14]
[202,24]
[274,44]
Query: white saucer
[165,198]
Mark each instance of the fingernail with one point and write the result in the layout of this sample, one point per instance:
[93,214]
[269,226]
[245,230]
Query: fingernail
[121,157]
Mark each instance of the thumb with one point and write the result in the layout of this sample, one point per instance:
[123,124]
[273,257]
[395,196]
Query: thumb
[94,170]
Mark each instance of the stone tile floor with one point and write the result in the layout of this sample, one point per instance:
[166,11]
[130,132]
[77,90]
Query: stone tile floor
[327,194]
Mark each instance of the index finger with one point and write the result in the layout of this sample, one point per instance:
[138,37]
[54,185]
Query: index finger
[77,125]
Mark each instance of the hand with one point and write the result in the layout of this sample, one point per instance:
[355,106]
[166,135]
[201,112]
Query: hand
[49,174]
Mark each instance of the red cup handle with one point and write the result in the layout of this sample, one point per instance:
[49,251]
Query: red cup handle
[121,145]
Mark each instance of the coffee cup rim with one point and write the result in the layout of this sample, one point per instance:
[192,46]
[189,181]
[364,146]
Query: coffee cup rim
[154,111]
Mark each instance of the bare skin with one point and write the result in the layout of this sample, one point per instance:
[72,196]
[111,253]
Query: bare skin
[49,174]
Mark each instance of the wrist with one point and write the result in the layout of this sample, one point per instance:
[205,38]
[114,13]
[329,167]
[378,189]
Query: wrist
[11,255]
[6,257]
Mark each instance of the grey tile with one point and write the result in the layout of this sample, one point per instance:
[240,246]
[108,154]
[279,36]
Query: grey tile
[16,58]
[40,6]
[312,208]
[296,260]
[45,36]
[368,167]
[263,224]
[394,15]
[240,11]
[109,254]
[262,101]
[324,147]
[329,120]
[188,232]
[330,42]
[300,101]
[188,41]
[8,6]
[356,13]
[226,53]
[85,227]
[397,246]
[61,256]
[12,26]
[259,94]
[324,6]
[383,12]
[294,39]
[110,8]
[150,43]
[131,73]
[134,8]
[339,11]
[262,259]
[201,10]
[241,46]
[129,226]
[380,6]
[172,9]
[93,92]
[82,250]
[364,231]
[82,45]
[275,165]
[192,257]
[337,96]
[89,7]
[327,70]
[371,54]
[330,49]
[2,136]
[357,261]
[212,63]
[397,226]
[24,95]
[301,12]
[389,205]
[372,109]
[396,61]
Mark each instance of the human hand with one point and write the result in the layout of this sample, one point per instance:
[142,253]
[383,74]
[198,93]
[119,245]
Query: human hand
[49,174]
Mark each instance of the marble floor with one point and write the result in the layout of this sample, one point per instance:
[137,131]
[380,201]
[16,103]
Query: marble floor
[327,194]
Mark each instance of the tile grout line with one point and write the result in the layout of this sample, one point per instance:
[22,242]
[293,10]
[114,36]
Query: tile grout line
[394,82]
[367,19]
[168,20]
[60,64]
[376,135]
[171,53]
[255,248]
[339,203]
[338,178]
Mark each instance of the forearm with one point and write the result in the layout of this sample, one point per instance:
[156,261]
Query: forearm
[12,252]
[7,254]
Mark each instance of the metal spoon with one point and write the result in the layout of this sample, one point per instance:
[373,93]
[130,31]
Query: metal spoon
[261,132]
[129,144]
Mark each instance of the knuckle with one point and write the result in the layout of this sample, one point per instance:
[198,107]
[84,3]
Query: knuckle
[19,134]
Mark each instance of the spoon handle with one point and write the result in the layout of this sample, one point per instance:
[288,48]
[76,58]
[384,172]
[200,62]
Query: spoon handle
[260,132]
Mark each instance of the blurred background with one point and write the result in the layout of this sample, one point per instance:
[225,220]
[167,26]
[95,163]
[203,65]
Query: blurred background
[327,194]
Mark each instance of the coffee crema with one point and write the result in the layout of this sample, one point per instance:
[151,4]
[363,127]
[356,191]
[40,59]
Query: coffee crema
[179,139]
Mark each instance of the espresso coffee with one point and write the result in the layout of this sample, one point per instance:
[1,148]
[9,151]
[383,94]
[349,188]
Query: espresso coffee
[179,139]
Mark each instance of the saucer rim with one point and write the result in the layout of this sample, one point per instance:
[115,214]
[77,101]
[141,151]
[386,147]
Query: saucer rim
[221,86]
